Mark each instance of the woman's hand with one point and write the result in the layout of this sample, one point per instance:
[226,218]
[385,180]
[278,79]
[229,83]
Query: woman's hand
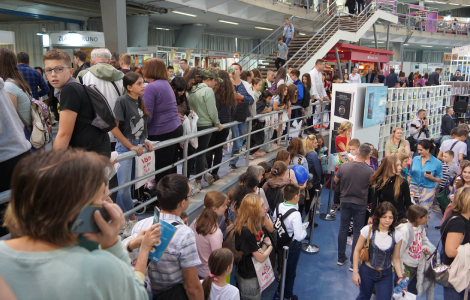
[137,149]
[148,146]
[428,176]
[108,236]
[152,236]
[267,241]
[356,278]
[181,117]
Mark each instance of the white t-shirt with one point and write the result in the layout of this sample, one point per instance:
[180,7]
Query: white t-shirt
[352,156]
[382,239]
[293,222]
[460,147]
[355,79]
[228,292]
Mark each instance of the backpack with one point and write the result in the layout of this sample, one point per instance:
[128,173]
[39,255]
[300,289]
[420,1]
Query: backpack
[40,129]
[274,196]
[104,115]
[283,238]
[307,98]
[229,243]
[273,87]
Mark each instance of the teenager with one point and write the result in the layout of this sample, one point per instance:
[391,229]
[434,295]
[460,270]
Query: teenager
[215,285]
[279,102]
[384,249]
[258,138]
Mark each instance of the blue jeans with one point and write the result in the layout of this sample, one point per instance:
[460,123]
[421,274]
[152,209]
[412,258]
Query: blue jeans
[383,285]
[291,271]
[348,211]
[451,294]
[126,173]
[288,41]
[238,130]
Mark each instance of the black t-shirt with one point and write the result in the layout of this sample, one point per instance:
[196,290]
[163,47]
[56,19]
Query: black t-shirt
[460,225]
[84,135]
[248,243]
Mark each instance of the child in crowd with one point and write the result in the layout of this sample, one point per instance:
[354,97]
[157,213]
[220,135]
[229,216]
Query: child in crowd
[384,242]
[258,138]
[248,183]
[353,147]
[322,149]
[404,158]
[449,168]
[414,244]
[267,172]
[184,217]
[256,82]
[215,286]
[276,183]
[296,232]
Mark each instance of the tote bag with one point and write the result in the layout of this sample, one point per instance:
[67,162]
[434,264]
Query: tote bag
[144,165]
[264,273]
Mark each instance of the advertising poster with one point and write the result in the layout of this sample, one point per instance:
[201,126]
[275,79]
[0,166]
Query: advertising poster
[376,100]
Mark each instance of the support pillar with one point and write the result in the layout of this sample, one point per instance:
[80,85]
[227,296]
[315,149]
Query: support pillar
[339,63]
[375,37]
[137,31]
[398,49]
[189,35]
[388,37]
[113,14]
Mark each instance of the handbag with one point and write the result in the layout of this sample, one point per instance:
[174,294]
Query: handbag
[443,200]
[264,273]
[438,270]
[242,111]
[364,255]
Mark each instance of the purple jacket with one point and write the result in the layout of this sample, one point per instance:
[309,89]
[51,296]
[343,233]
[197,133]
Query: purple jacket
[160,101]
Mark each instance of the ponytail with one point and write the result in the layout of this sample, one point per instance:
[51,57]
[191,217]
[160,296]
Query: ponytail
[219,261]
[206,223]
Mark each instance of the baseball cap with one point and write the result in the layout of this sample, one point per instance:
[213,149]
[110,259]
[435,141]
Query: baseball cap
[211,73]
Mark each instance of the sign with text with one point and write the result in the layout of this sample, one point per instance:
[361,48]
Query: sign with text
[77,39]
[450,56]
[141,50]
[365,57]
[220,54]
[342,56]
[144,164]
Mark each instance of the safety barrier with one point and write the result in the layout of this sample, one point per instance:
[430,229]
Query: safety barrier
[5,196]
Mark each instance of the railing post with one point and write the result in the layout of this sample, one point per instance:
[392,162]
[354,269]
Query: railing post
[248,146]
[185,157]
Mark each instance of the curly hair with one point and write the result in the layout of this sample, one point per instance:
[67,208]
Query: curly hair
[380,211]
[224,91]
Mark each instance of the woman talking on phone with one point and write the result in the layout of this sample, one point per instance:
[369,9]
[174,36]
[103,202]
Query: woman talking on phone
[44,250]
[425,172]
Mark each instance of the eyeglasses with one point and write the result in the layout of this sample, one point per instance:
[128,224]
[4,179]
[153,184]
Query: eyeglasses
[57,70]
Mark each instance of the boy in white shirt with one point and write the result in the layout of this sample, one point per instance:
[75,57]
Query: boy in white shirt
[353,147]
[295,230]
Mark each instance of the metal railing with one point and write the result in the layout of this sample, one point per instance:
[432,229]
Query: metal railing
[423,24]
[5,196]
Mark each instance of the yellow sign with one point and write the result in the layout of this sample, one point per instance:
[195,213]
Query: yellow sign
[450,56]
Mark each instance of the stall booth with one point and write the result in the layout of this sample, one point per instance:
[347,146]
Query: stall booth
[460,60]
[360,57]
[70,41]
[7,40]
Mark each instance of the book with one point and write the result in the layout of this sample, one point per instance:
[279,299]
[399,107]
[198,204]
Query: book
[168,231]
[344,104]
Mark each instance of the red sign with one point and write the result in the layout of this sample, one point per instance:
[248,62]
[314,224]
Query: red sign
[367,57]
[386,68]
[342,56]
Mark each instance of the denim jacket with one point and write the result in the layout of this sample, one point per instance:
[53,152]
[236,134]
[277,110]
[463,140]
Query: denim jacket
[378,258]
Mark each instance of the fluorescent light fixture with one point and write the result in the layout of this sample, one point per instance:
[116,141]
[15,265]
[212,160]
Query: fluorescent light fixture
[228,22]
[380,42]
[301,33]
[426,46]
[263,28]
[183,13]
[39,33]
[162,28]
[441,2]
[430,1]
[406,44]
[453,3]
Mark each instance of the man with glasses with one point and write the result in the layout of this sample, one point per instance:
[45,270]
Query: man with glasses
[183,66]
[34,79]
[74,105]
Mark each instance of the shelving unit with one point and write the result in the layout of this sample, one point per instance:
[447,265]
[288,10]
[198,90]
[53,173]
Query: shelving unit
[403,105]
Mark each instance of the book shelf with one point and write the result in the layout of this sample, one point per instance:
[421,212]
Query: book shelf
[403,105]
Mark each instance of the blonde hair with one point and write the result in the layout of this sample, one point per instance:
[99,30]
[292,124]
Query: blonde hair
[249,214]
[344,126]
[461,203]
[308,143]
[402,155]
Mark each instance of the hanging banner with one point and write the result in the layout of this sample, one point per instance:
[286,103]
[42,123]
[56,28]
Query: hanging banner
[188,55]
[172,54]
[431,23]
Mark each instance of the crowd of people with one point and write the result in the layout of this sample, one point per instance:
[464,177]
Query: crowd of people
[262,214]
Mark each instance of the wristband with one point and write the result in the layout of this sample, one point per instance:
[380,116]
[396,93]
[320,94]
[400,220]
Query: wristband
[129,249]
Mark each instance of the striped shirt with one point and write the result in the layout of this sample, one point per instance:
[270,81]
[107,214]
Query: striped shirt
[180,254]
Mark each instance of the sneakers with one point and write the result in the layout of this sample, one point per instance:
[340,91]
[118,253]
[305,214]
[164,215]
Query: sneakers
[351,268]
[334,208]
[216,177]
[341,262]
[237,153]
[195,188]
[259,153]
[232,167]
[127,229]
[349,240]
[251,157]
[273,147]
[209,178]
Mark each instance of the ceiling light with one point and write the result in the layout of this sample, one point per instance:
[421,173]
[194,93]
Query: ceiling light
[426,46]
[263,28]
[183,13]
[228,22]
[380,42]
[406,44]
[441,2]
[162,28]
[430,1]
[301,33]
[39,33]
[453,3]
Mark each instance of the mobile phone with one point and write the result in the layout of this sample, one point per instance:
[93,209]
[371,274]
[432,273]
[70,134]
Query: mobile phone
[428,172]
[156,215]
[85,222]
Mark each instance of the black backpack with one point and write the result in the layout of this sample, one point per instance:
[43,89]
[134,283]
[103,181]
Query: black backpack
[274,196]
[283,238]
[104,115]
[306,101]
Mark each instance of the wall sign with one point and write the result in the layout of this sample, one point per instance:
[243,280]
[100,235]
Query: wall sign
[220,54]
[77,39]
[142,50]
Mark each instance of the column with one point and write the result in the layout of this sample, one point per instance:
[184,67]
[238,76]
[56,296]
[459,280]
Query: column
[113,14]
[189,35]
[137,31]
[398,49]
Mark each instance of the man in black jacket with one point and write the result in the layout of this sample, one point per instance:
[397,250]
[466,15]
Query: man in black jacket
[434,77]
[447,122]
[370,76]
[457,76]
[391,79]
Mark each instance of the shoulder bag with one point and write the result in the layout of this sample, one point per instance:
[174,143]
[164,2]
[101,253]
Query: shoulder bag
[364,255]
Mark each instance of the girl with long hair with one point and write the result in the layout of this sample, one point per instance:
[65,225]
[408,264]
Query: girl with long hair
[461,180]
[384,249]
[131,132]
[215,285]
[284,156]
[226,108]
[251,241]
[310,143]
[259,138]
[255,73]
[389,185]
[280,102]
[296,153]
[281,78]
[208,235]
[179,86]
[345,78]
[307,82]
[248,183]
[415,246]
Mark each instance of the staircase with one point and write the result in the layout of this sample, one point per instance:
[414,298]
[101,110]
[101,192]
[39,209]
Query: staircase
[330,27]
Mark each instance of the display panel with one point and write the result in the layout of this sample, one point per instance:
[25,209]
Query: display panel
[374,109]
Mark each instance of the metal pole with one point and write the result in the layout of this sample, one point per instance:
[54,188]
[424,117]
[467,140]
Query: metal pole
[287,134]
[338,62]
[328,216]
[283,278]
[185,157]
[388,36]
[248,138]
[349,67]
[375,37]
[310,248]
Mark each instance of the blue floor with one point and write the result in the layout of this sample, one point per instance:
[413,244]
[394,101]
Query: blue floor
[319,277]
